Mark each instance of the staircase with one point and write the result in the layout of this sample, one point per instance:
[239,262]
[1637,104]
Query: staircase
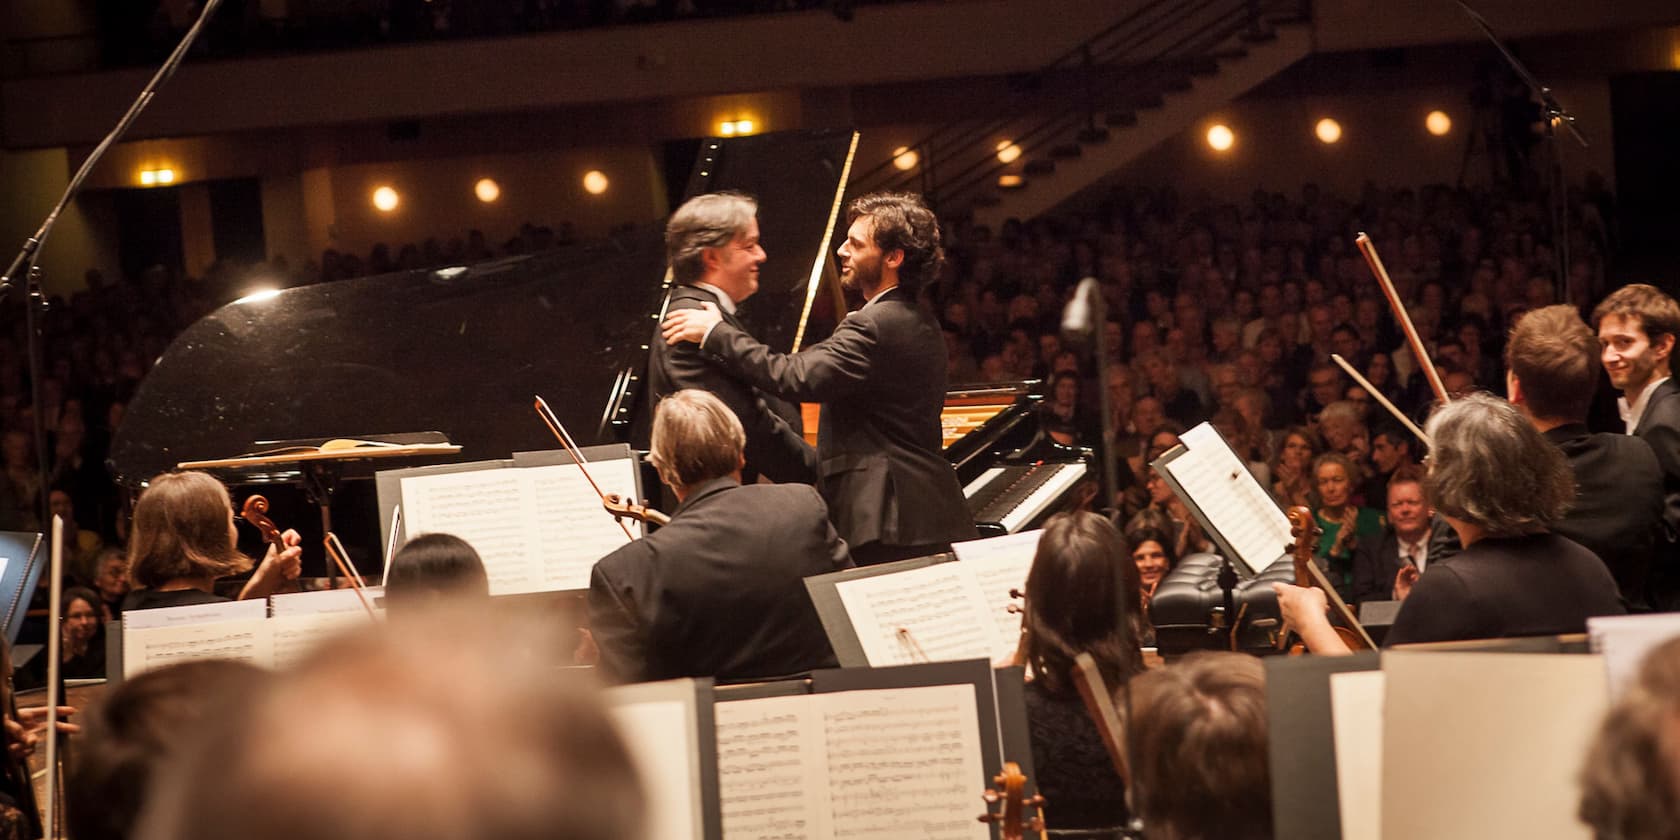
[1142,80]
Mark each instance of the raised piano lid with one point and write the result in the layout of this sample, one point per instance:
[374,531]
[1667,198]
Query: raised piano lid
[462,351]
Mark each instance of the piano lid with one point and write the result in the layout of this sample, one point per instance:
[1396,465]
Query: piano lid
[462,350]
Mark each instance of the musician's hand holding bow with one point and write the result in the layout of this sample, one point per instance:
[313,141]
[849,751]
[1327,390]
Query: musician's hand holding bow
[278,567]
[690,324]
[24,734]
[1306,610]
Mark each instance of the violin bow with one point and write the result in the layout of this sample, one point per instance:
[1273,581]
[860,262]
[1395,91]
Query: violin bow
[1369,250]
[1378,396]
[341,557]
[559,430]
[55,670]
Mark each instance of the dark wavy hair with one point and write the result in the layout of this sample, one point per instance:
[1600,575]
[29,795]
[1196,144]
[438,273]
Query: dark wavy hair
[903,222]
[432,565]
[1074,600]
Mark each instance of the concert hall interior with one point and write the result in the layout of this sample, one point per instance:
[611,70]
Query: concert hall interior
[732,419]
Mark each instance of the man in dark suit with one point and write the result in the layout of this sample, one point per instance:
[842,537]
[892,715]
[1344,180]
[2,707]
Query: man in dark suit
[1552,365]
[1387,562]
[718,592]
[881,380]
[712,245]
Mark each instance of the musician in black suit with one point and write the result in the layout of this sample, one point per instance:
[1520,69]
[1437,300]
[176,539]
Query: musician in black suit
[1386,563]
[1637,325]
[881,380]
[719,592]
[1552,366]
[712,245]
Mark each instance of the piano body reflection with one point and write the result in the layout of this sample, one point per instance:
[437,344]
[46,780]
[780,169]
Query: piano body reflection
[1013,475]
[462,350]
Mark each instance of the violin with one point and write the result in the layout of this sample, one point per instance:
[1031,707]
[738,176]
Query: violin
[255,511]
[1303,528]
[1011,818]
[622,508]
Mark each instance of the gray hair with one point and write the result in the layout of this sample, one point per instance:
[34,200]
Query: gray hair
[705,221]
[1340,411]
[695,439]
[1490,468]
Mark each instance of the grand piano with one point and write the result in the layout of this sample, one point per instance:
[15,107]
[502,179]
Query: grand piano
[462,350]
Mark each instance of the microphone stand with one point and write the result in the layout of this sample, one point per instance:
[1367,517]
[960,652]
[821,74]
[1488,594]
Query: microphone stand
[34,304]
[1555,115]
[1084,318]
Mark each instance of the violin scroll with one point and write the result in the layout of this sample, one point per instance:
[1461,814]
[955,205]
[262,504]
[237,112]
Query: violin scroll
[622,508]
[255,511]
[1011,818]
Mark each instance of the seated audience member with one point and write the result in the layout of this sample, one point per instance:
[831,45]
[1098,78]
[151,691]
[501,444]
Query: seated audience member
[138,729]
[111,580]
[81,642]
[1342,522]
[1199,745]
[1553,358]
[1500,485]
[448,726]
[1387,563]
[1391,449]
[1342,426]
[183,539]
[720,591]
[1072,607]
[1152,553]
[1292,478]
[1630,781]
[434,566]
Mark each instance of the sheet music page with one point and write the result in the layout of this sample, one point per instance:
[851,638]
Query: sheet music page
[194,614]
[324,601]
[1228,494]
[247,640]
[1356,715]
[1001,564]
[772,769]
[297,636]
[940,608]
[1625,640]
[657,736]
[904,763]
[493,510]
[573,530]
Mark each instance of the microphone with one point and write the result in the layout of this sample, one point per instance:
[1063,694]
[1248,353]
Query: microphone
[1081,315]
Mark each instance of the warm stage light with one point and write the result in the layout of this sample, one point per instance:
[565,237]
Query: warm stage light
[259,295]
[1008,152]
[595,182]
[386,199]
[1010,182]
[1221,138]
[166,176]
[744,127]
[487,190]
[1438,123]
[148,177]
[906,158]
[1328,131]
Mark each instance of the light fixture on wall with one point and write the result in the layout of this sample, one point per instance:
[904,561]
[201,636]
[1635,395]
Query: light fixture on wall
[1328,131]
[385,199]
[906,158]
[737,128]
[162,177]
[1438,123]
[1011,182]
[487,190]
[1221,138]
[595,182]
[1008,151]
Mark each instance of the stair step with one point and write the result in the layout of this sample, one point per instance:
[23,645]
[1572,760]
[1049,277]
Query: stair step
[1094,134]
[1039,167]
[1208,66]
[1066,151]
[1264,35]
[1121,119]
[1176,84]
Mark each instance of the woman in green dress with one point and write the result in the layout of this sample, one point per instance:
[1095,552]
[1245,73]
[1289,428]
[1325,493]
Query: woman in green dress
[1343,523]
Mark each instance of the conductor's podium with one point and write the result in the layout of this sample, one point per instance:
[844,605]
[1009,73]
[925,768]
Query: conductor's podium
[1188,599]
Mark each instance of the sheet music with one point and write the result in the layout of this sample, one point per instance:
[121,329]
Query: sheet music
[1625,640]
[246,640]
[1221,486]
[999,565]
[573,529]
[940,607]
[324,601]
[1356,718]
[772,769]
[297,636]
[904,762]
[194,614]
[490,509]
[658,738]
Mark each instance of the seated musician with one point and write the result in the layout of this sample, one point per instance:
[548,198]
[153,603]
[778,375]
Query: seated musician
[449,726]
[1630,781]
[1500,485]
[719,591]
[1199,747]
[1072,608]
[135,731]
[183,539]
[432,567]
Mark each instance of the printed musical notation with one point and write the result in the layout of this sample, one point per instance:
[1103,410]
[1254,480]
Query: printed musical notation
[246,640]
[765,768]
[1239,509]
[1001,564]
[939,608]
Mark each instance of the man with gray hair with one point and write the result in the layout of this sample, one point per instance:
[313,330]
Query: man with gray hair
[711,243]
[718,592]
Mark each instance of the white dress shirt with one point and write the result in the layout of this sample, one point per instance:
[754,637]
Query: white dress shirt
[1632,414]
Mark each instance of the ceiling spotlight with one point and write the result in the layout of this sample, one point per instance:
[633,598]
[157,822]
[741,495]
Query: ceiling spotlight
[595,182]
[1221,138]
[386,199]
[906,158]
[1010,182]
[487,190]
[166,176]
[1008,151]
[1328,130]
[1438,123]
[148,177]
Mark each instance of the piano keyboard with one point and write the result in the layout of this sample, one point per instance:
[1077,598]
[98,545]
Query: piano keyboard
[1016,495]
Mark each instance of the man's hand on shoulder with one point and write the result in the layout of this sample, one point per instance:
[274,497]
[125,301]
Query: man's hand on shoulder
[690,324]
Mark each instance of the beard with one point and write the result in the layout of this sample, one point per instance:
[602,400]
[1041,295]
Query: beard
[863,276]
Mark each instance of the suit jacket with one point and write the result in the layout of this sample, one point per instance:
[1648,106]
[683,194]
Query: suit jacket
[775,447]
[1618,504]
[1376,559]
[720,591]
[881,380]
[1660,427]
